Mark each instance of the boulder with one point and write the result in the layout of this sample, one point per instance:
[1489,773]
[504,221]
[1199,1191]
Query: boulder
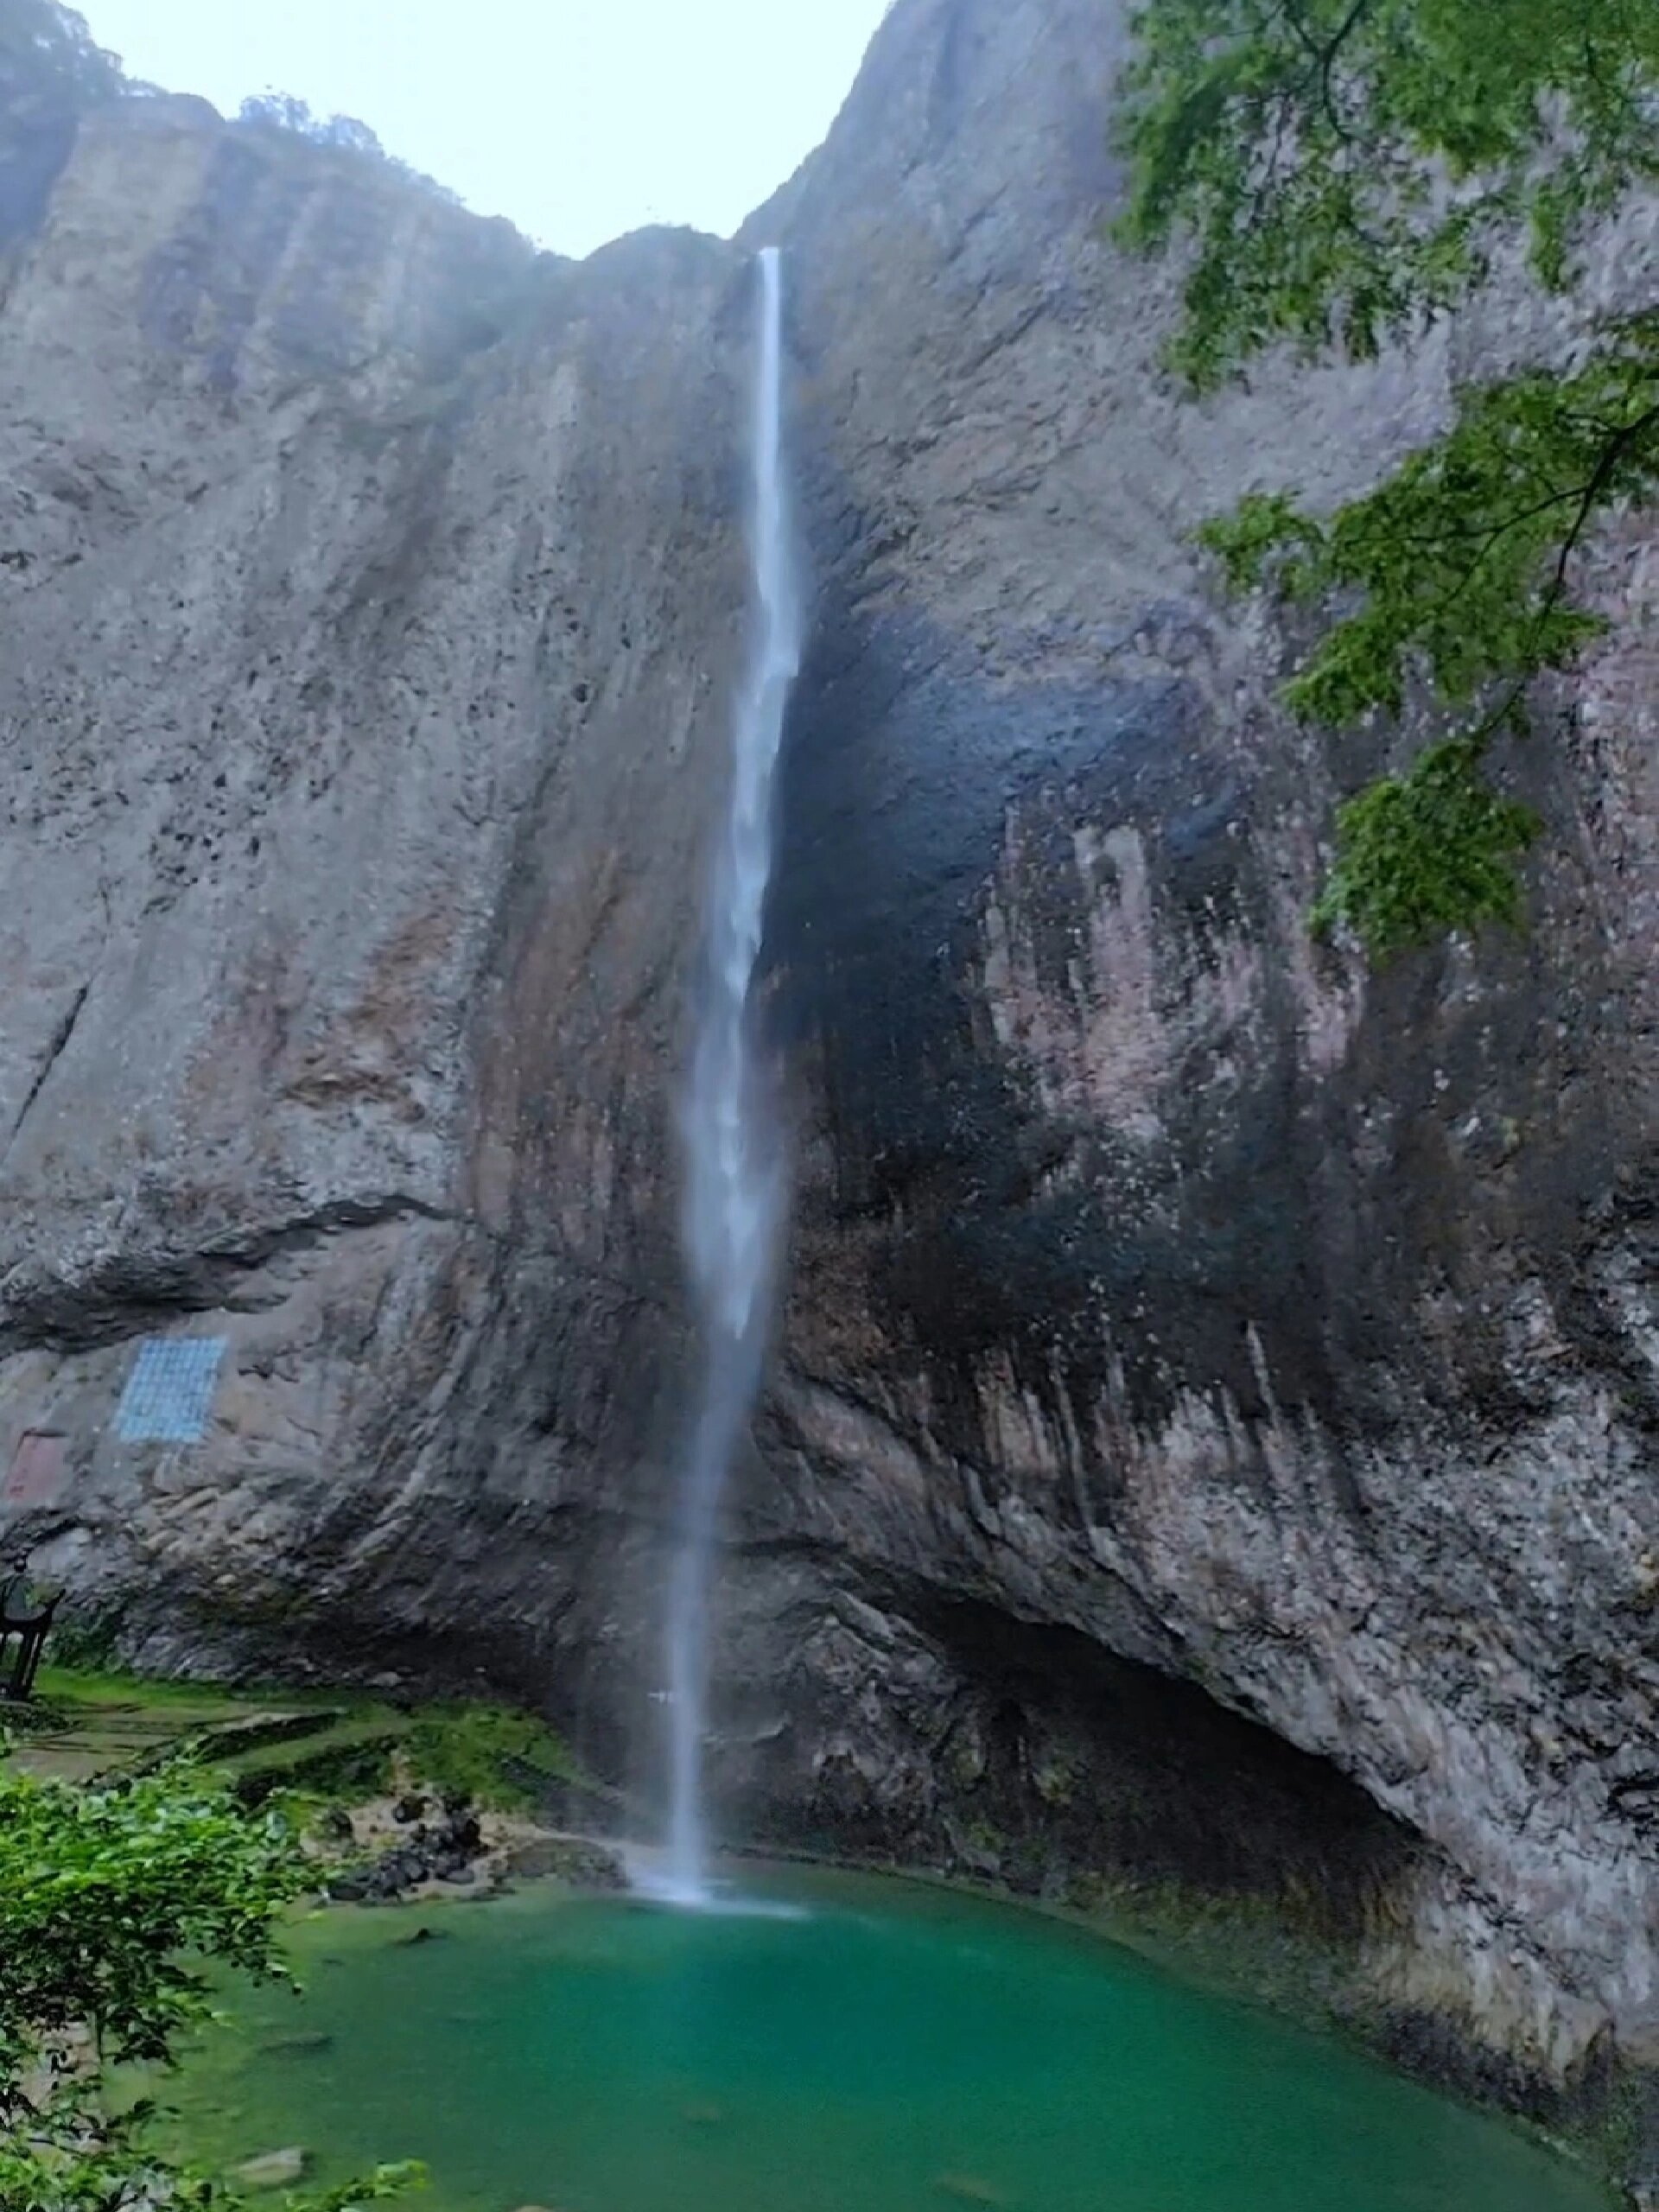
[274,2170]
[575,1860]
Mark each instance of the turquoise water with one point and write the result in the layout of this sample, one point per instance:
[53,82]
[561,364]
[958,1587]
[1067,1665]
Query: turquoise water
[895,2048]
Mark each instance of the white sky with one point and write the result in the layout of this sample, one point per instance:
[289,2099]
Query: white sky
[578,119]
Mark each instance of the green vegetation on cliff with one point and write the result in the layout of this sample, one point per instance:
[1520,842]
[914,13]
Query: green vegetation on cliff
[46,47]
[51,65]
[1342,173]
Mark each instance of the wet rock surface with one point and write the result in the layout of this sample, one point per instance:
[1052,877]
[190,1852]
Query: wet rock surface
[583,1864]
[1213,1426]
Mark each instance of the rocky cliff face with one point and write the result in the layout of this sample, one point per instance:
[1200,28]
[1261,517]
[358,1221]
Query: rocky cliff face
[1213,1427]
[1163,1282]
[371,587]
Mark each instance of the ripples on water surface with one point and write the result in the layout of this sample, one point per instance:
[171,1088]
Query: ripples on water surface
[893,2050]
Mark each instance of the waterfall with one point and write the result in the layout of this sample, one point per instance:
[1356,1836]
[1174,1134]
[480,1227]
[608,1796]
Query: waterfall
[735,1178]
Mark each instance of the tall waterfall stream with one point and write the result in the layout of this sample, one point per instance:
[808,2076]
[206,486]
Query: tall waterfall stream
[735,1188]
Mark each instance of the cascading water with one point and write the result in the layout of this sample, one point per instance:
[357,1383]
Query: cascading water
[735,1178]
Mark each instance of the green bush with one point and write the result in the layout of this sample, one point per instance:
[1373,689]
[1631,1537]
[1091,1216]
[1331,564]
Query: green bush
[113,1900]
[108,1897]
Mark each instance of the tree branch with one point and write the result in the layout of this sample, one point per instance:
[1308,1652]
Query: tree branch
[1617,447]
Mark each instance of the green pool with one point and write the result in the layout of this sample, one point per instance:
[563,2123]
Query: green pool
[889,2049]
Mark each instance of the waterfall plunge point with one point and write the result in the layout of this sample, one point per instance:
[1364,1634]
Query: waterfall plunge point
[735,1181]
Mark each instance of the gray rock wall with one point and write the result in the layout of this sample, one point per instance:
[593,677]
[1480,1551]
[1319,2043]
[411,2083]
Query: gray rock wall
[371,589]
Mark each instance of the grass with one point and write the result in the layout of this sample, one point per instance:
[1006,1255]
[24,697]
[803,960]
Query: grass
[499,1757]
[70,1686]
[322,1743]
[345,1758]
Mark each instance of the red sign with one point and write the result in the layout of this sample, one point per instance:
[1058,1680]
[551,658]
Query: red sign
[37,1468]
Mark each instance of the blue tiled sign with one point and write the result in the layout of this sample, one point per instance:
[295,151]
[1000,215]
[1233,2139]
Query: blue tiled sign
[169,1393]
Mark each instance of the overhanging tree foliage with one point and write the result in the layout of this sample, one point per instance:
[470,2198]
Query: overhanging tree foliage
[1342,172]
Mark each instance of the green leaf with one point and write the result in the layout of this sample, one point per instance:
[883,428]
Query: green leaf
[1426,852]
[1455,576]
[1299,149]
[107,1895]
